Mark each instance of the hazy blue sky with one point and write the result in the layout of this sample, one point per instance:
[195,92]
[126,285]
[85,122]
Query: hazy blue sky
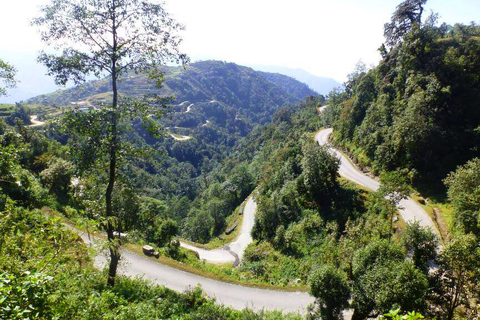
[323,37]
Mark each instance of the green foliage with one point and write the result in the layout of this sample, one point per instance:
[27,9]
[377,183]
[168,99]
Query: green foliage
[7,77]
[19,113]
[394,186]
[393,189]
[153,222]
[198,226]
[19,149]
[464,192]
[46,274]
[458,276]
[330,288]
[25,297]
[417,103]
[407,15]
[382,279]
[421,243]
[320,170]
[57,176]
[166,230]
[394,315]
[130,44]
[262,263]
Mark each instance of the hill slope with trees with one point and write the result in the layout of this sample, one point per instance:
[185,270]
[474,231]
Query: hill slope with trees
[242,88]
[418,110]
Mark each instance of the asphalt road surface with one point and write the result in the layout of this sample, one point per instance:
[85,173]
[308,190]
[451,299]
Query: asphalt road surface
[409,209]
[35,122]
[232,295]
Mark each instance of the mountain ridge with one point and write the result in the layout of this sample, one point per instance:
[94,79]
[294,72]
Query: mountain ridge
[232,84]
[322,85]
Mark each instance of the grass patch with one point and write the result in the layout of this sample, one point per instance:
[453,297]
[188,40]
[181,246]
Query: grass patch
[441,214]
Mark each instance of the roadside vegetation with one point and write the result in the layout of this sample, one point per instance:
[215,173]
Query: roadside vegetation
[47,273]
[415,117]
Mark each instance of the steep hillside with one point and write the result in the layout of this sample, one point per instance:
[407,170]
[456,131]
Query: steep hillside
[217,104]
[419,109]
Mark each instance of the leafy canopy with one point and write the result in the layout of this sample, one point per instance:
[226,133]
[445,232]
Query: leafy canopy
[7,77]
[112,37]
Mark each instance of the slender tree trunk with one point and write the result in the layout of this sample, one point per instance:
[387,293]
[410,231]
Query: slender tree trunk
[113,246]
[453,305]
[392,214]
[114,250]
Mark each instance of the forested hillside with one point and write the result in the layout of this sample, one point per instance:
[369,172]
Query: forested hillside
[418,110]
[216,105]
[251,93]
[413,120]
[47,272]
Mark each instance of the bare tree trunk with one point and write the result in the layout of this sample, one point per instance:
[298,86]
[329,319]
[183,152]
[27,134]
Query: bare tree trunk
[453,304]
[113,246]
[114,251]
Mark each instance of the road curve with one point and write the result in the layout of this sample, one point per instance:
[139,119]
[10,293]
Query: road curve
[409,209]
[237,296]
[245,238]
[233,251]
[231,295]
[35,122]
[179,137]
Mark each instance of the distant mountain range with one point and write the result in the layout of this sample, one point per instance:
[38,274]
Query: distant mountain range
[34,82]
[253,94]
[321,85]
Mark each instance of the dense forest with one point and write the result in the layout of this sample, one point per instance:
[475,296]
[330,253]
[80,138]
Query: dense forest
[418,109]
[417,112]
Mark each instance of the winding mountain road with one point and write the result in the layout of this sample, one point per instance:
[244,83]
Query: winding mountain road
[237,296]
[232,295]
[232,252]
[409,209]
[35,122]
[179,137]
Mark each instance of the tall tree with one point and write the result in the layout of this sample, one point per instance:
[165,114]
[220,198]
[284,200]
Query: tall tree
[382,279]
[7,77]
[458,276]
[112,38]
[421,243]
[330,288]
[464,193]
[320,171]
[393,189]
[407,14]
